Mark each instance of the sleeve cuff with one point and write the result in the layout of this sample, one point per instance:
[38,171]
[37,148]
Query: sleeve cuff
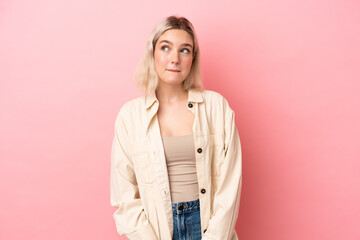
[143,233]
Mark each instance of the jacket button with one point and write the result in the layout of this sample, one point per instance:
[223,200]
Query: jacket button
[199,150]
[203,191]
[205,230]
[190,105]
[181,207]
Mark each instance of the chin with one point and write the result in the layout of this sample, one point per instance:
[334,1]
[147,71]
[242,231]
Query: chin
[175,82]
[171,80]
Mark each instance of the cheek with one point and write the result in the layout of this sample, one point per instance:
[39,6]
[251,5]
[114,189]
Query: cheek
[160,60]
[188,63]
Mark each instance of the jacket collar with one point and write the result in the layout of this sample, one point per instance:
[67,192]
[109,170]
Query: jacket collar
[193,96]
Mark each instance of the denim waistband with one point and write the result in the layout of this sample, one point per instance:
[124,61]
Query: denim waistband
[185,207]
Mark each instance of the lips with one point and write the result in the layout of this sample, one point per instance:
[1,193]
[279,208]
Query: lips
[173,70]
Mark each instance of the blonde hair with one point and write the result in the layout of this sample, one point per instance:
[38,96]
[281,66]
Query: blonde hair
[146,78]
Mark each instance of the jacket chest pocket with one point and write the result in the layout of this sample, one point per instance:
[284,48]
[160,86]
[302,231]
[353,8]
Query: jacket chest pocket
[143,162]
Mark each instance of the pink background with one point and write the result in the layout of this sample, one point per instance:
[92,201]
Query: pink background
[289,69]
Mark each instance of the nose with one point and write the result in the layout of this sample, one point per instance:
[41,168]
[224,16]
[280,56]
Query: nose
[174,57]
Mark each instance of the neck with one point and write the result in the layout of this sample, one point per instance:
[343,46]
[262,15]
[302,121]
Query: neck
[169,93]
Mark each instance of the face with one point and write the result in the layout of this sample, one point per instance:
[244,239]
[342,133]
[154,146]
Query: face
[173,56]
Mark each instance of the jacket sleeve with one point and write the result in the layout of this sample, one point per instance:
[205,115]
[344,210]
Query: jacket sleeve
[130,219]
[227,196]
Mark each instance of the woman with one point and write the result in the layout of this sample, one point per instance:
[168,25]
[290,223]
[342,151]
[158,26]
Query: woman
[176,155]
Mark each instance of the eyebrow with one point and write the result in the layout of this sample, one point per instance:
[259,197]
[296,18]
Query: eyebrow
[184,44]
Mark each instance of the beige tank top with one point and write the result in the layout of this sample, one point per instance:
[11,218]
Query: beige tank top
[181,166]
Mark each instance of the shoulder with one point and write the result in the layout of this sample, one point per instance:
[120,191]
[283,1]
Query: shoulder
[215,99]
[133,103]
[211,94]
[131,107]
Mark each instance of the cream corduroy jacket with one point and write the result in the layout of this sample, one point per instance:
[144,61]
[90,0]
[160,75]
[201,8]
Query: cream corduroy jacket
[139,181]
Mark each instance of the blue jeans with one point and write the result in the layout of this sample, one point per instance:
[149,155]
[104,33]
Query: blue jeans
[187,224]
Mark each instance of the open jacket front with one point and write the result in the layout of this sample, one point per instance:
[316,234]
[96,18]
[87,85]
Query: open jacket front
[139,179]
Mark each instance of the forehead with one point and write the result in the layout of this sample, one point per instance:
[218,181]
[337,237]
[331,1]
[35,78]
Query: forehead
[176,36]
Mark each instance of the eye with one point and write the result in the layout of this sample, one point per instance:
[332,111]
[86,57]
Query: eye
[185,50]
[164,48]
